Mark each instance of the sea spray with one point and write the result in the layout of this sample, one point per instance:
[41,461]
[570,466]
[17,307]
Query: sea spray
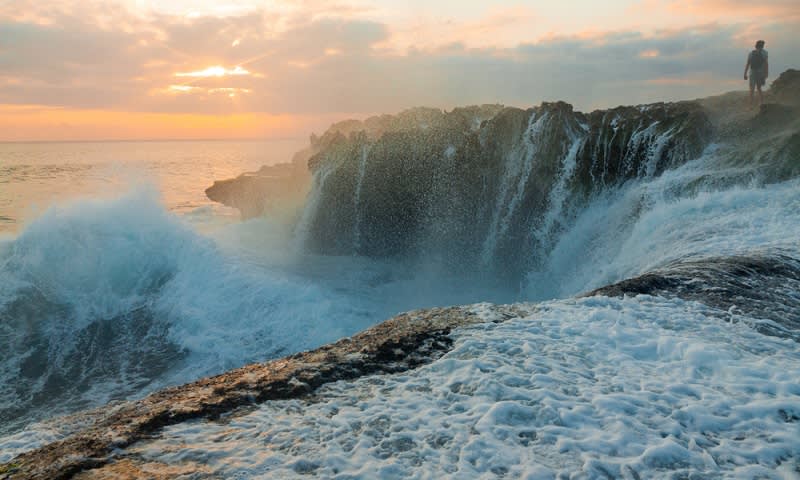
[311,208]
[362,168]
[107,300]
[649,224]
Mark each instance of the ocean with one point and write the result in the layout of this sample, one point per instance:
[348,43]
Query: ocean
[35,176]
[119,278]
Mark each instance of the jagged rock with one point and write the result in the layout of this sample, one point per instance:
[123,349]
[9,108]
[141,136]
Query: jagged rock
[270,189]
[758,286]
[473,185]
[393,179]
[786,88]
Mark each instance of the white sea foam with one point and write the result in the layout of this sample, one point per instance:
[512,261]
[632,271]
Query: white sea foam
[593,388]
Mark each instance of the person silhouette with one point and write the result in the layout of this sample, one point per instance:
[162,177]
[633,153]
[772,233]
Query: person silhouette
[758,63]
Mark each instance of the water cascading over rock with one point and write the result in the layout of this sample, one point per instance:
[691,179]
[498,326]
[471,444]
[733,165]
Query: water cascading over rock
[483,188]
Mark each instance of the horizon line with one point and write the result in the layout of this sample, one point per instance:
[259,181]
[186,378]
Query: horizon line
[154,140]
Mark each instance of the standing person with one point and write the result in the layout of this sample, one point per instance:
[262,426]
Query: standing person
[758,63]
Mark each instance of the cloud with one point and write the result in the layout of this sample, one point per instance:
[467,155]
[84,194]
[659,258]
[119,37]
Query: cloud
[497,25]
[715,9]
[318,57]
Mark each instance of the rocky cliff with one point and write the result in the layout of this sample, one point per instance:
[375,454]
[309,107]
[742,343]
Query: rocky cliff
[484,187]
[489,188]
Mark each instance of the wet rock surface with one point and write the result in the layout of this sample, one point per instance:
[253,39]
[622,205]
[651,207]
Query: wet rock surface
[764,287]
[486,188]
[477,191]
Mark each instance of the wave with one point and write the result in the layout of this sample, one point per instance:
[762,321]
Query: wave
[103,300]
[109,300]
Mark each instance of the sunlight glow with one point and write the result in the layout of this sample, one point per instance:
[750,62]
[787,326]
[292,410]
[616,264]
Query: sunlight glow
[229,91]
[38,122]
[215,71]
[181,89]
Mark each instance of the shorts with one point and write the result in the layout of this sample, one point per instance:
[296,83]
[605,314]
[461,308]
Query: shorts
[757,79]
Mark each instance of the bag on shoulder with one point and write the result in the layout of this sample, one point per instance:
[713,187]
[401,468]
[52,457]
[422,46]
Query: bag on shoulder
[756,60]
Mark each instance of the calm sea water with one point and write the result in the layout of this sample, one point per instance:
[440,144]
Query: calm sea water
[34,176]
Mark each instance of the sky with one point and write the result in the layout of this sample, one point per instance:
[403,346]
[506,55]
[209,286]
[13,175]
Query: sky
[183,69]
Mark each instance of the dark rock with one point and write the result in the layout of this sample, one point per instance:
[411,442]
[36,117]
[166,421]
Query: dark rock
[271,189]
[472,186]
[763,287]
[786,88]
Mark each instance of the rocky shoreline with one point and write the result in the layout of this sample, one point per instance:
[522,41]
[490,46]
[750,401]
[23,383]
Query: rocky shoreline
[761,286]
[399,344]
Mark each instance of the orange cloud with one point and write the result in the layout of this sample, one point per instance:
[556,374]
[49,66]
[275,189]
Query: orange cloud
[497,26]
[714,10]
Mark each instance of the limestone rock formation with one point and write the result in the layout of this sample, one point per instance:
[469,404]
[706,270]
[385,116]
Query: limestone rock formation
[485,188]
[475,185]
[269,190]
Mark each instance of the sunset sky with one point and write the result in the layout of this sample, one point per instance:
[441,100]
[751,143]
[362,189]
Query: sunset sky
[140,69]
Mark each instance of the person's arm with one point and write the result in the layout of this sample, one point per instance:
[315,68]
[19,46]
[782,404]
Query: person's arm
[746,66]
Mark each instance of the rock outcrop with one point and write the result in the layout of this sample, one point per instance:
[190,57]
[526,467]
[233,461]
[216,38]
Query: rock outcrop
[758,286]
[786,88]
[273,189]
[483,188]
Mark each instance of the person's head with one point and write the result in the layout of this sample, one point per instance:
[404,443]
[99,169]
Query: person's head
[760,44]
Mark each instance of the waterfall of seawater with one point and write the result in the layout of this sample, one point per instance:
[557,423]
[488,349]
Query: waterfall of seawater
[362,169]
[553,222]
[311,209]
[516,172]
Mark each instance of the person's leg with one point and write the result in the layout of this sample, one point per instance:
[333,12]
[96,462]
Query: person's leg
[760,95]
[752,87]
